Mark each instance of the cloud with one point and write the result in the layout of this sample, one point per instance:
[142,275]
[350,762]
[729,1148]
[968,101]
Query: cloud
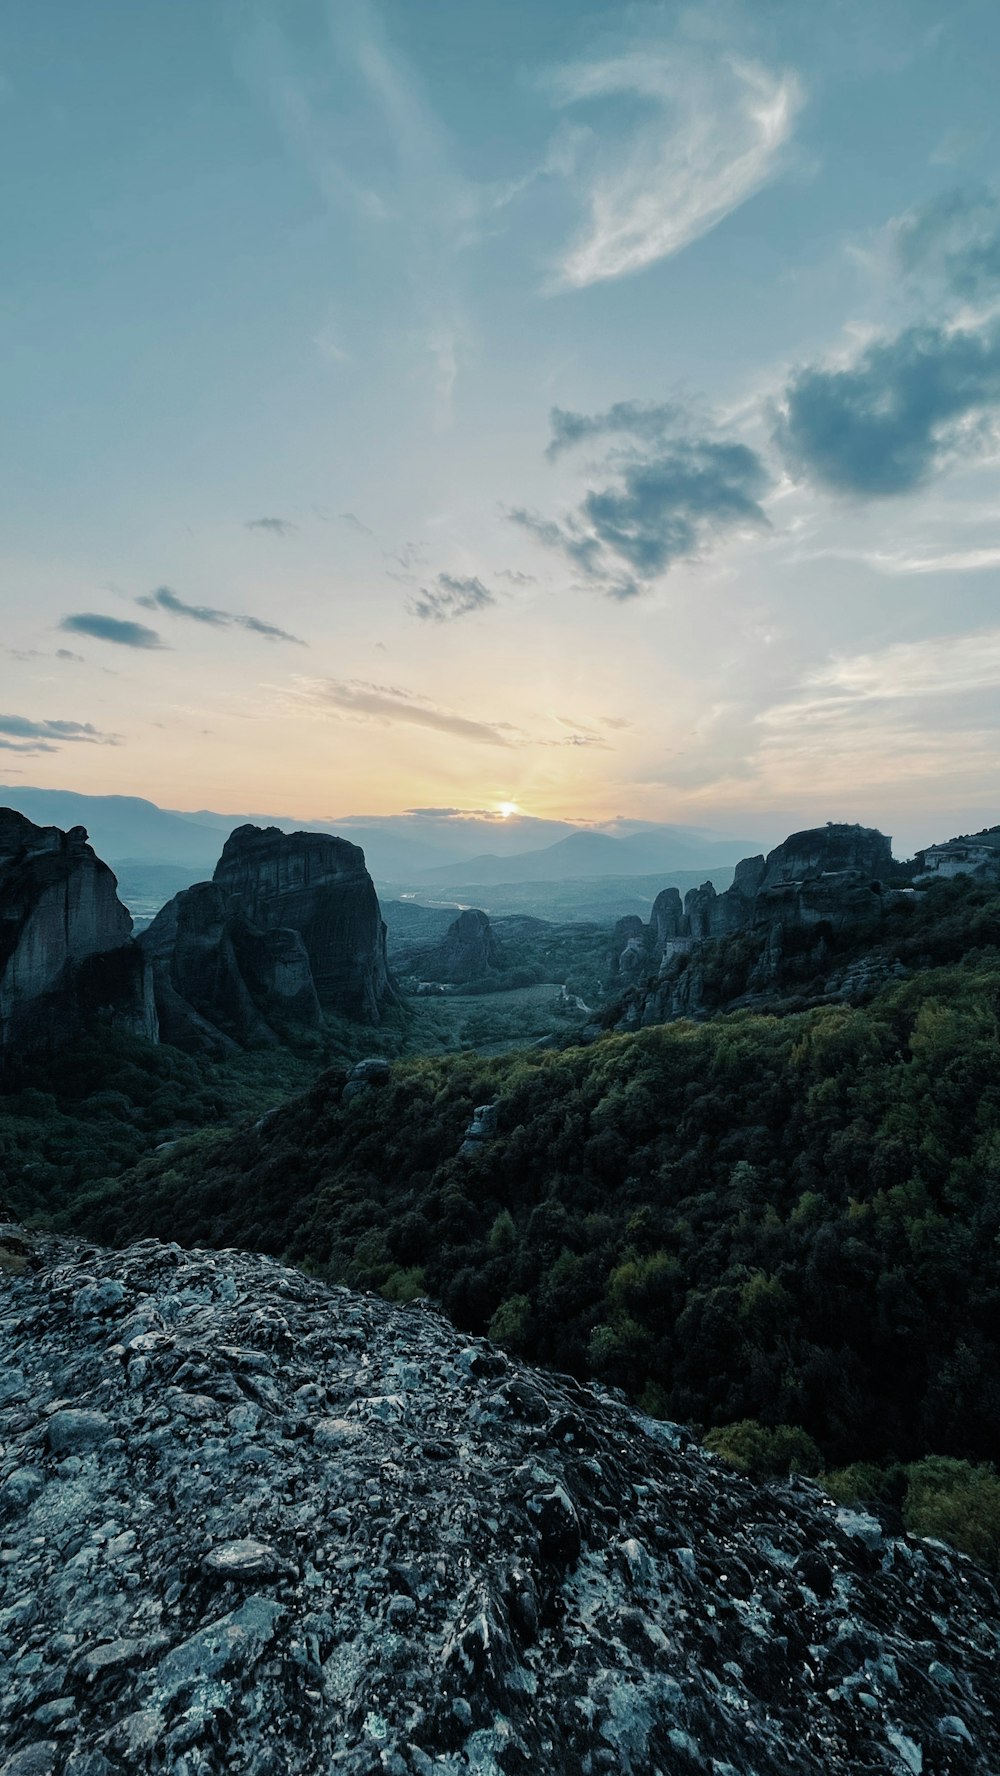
[356,524]
[940,666]
[908,715]
[452,598]
[164,599]
[388,703]
[955,236]
[67,654]
[280,527]
[667,503]
[19,734]
[133,635]
[906,408]
[516,577]
[635,418]
[713,134]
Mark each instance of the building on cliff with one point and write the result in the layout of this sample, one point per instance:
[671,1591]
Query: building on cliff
[975,854]
[67,956]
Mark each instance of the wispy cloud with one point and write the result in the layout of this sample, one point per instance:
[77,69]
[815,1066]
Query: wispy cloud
[954,236]
[941,666]
[166,600]
[668,498]
[20,734]
[391,704]
[450,598]
[354,523]
[516,577]
[715,137]
[909,715]
[279,527]
[124,634]
[633,419]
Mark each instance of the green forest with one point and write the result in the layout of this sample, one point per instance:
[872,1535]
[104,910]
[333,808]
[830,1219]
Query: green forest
[783,1229]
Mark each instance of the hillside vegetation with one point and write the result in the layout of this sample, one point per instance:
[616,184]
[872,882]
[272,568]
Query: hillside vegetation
[793,1220]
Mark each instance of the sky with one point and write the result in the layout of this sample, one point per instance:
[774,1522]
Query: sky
[585,410]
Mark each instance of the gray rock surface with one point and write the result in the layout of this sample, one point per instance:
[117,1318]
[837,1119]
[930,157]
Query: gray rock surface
[308,1532]
[66,949]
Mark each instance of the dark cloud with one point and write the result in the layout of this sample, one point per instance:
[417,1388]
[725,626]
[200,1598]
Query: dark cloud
[356,524]
[132,635]
[164,599]
[67,654]
[388,703]
[516,577]
[20,734]
[905,408]
[667,505]
[635,419]
[280,527]
[956,236]
[451,598]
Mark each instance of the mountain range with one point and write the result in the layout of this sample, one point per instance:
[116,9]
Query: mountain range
[423,847]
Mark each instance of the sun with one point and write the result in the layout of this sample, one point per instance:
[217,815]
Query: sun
[506,809]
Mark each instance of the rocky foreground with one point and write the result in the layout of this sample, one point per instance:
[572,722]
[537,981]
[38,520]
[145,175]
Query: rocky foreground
[249,1523]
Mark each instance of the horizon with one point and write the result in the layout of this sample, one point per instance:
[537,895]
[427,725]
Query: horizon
[584,412]
[472,829]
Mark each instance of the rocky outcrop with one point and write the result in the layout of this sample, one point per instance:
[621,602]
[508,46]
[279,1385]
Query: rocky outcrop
[252,1523]
[822,880]
[289,927]
[467,951]
[318,886]
[66,950]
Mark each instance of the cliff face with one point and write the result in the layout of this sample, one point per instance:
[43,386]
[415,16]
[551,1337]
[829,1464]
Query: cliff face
[66,950]
[289,927]
[467,950]
[318,886]
[822,880]
[256,1524]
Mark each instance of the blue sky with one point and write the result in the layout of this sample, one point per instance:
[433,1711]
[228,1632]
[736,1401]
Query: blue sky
[593,408]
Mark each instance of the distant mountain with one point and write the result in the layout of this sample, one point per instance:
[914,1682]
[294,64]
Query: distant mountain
[589,854]
[422,848]
[122,827]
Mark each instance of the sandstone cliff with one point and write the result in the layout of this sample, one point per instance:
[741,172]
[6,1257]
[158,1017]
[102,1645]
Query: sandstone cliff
[289,927]
[66,949]
[816,883]
[254,1524]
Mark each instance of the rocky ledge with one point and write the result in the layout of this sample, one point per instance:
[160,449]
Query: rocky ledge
[252,1524]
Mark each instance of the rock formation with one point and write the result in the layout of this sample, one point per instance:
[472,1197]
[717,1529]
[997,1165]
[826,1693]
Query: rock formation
[467,951]
[254,1524]
[821,880]
[66,949]
[289,927]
